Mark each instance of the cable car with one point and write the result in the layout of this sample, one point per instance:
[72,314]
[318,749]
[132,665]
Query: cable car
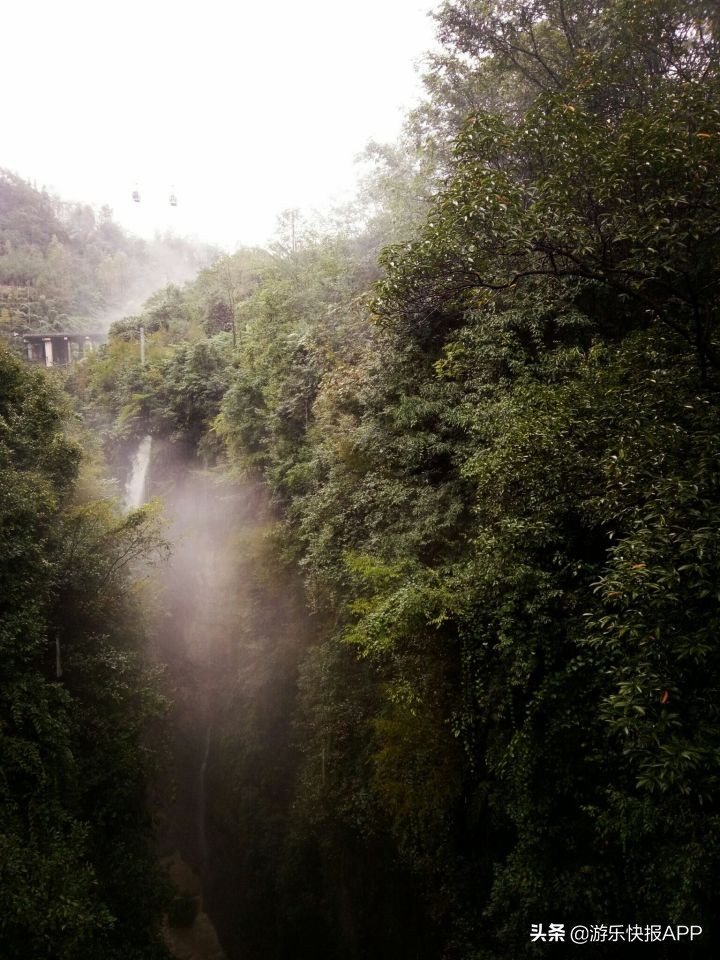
[173,200]
[136,196]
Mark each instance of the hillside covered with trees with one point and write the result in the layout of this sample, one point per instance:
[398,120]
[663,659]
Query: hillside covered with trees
[440,634]
[64,266]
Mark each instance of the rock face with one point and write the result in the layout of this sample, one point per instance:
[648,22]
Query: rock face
[197,941]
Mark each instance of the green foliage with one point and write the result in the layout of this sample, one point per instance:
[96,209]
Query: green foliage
[497,56]
[78,876]
[503,495]
[296,327]
[193,380]
[497,477]
[613,210]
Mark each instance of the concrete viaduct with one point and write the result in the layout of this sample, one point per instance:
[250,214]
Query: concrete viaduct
[60,349]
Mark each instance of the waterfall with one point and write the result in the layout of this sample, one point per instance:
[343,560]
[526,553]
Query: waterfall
[135,486]
[202,837]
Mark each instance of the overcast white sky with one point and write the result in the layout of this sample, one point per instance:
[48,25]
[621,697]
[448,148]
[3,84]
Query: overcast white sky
[245,108]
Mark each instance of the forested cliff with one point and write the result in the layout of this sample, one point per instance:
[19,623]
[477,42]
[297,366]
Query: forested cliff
[452,465]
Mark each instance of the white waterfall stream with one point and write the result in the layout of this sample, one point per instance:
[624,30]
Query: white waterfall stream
[202,837]
[135,491]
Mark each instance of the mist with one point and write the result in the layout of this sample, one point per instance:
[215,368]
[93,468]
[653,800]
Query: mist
[166,259]
[226,630]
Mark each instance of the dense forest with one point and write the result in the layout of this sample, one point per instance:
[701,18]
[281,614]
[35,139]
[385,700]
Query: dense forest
[434,660]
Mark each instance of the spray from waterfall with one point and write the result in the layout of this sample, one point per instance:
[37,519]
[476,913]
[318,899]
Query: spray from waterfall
[135,488]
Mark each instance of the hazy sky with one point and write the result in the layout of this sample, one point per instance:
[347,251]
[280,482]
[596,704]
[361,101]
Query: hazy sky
[245,108]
